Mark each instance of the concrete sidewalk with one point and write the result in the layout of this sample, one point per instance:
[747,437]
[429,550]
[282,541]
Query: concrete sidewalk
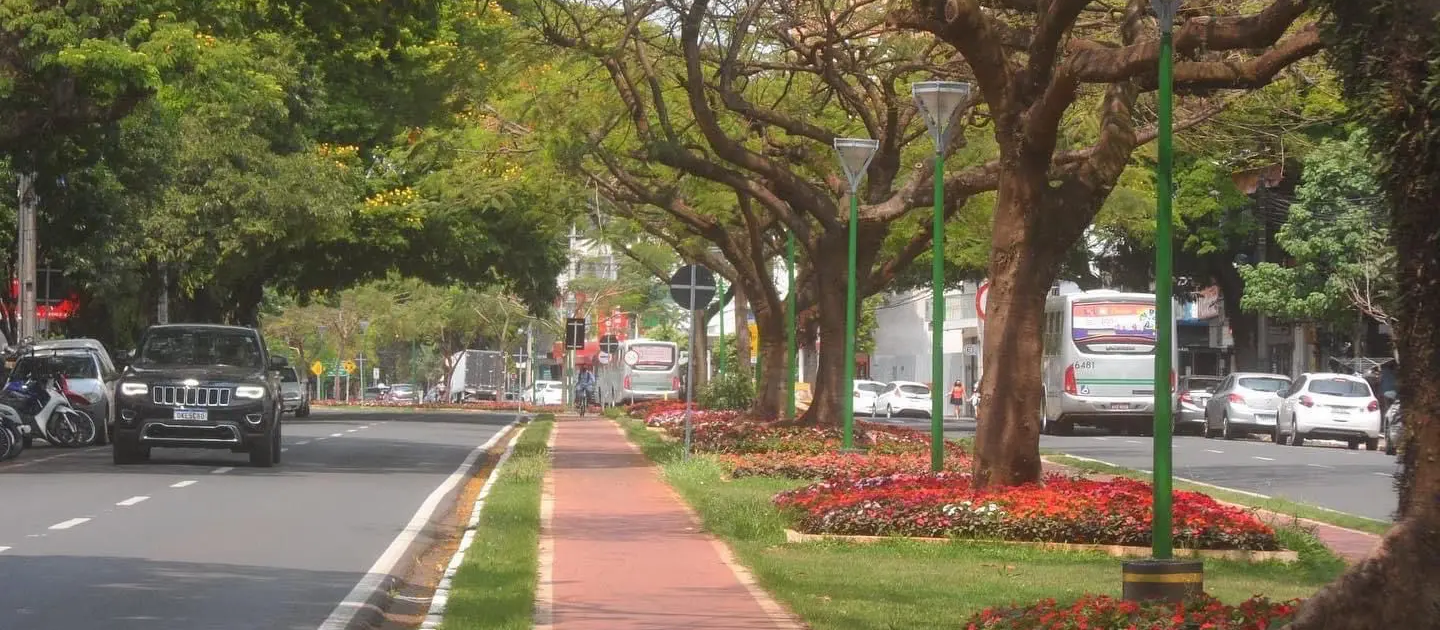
[621,552]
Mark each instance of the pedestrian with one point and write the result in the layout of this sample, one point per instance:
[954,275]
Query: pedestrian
[957,398]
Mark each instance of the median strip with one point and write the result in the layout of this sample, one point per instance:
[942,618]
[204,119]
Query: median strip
[490,582]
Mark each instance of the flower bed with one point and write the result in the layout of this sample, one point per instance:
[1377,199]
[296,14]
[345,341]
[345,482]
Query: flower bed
[1062,510]
[794,465]
[645,409]
[1105,613]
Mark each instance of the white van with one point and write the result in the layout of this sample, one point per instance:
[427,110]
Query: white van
[642,369]
[1099,365]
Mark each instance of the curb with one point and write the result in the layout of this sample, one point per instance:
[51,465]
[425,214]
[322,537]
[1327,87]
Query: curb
[436,612]
[365,605]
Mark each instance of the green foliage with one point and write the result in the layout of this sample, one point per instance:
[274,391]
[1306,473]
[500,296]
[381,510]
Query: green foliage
[865,327]
[1338,238]
[732,390]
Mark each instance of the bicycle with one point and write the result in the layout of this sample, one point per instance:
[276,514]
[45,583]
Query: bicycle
[583,401]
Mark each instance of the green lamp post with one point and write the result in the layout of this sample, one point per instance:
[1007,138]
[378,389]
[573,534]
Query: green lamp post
[940,103]
[855,155]
[792,357]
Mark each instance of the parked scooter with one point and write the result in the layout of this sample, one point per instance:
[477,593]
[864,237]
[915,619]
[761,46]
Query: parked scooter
[12,433]
[45,405]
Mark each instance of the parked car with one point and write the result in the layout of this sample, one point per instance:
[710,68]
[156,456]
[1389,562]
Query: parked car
[200,386]
[88,371]
[866,392]
[545,393]
[1333,406]
[294,394]
[1245,403]
[1394,426]
[374,392]
[902,397]
[403,393]
[1192,393]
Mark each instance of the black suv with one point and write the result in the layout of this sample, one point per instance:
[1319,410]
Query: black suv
[199,386]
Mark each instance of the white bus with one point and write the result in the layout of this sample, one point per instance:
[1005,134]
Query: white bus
[1099,366]
[642,369]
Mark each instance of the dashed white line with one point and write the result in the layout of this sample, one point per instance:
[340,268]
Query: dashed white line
[302,442]
[1380,474]
[222,470]
[337,434]
[70,523]
[1132,441]
[4,549]
[1319,466]
[182,484]
[131,501]
[352,430]
[1265,459]
[284,449]
[1211,450]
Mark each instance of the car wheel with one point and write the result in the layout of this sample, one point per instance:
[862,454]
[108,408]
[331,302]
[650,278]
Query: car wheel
[1295,438]
[1353,445]
[275,443]
[102,434]
[1225,430]
[1275,435]
[303,411]
[263,452]
[1372,444]
[889,412]
[1390,448]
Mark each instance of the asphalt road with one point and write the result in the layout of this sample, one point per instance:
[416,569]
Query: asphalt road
[1321,473]
[197,540]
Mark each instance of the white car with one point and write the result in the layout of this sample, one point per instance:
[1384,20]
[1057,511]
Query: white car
[1329,406]
[902,397]
[863,400]
[545,393]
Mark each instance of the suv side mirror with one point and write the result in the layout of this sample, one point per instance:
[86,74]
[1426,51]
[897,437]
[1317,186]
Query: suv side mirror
[277,362]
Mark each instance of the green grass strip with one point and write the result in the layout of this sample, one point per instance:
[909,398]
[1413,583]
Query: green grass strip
[1279,506]
[494,587]
[903,584]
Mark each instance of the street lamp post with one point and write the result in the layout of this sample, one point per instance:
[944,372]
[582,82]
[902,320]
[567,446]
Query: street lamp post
[939,102]
[1164,257]
[320,378]
[364,327]
[855,155]
[792,357]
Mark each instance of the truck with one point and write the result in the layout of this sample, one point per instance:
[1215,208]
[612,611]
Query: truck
[478,375]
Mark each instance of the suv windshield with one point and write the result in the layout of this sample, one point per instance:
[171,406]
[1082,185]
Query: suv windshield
[288,375]
[1264,383]
[68,365]
[200,346]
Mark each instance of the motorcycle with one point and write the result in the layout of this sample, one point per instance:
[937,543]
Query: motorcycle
[45,405]
[12,433]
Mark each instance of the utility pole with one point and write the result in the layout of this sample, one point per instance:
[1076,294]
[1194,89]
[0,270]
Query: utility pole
[29,200]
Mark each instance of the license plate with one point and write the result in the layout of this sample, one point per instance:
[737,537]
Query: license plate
[192,415]
[1268,418]
[1120,406]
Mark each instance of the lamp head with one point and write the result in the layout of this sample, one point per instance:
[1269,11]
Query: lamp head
[855,155]
[939,101]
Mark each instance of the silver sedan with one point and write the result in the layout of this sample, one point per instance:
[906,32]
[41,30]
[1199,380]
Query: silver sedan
[1244,403]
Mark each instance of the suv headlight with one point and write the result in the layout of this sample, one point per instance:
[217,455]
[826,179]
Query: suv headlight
[134,389]
[250,391]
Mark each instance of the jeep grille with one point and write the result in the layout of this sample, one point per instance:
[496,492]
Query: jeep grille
[190,396]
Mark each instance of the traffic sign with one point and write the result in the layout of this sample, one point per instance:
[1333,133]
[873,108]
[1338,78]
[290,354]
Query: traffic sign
[982,299]
[609,343]
[574,333]
[603,358]
[692,287]
[317,368]
[349,366]
[631,358]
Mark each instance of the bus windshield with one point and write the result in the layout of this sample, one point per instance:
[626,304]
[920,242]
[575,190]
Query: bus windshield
[653,357]
[1114,327]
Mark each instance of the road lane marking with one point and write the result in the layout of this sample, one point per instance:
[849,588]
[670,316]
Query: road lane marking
[1132,441]
[182,484]
[1319,466]
[337,435]
[222,470]
[352,430]
[1102,438]
[1266,459]
[70,523]
[284,449]
[1211,450]
[4,549]
[1380,474]
[302,442]
[131,501]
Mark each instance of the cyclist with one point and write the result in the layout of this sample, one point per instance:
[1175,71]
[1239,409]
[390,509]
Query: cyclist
[584,389]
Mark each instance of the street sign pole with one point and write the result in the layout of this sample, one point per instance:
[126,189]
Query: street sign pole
[690,384]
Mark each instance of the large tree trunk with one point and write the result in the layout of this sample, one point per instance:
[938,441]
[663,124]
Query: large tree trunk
[830,315]
[770,396]
[1007,437]
[742,333]
[699,352]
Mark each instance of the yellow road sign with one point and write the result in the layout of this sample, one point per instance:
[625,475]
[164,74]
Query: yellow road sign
[754,341]
[349,366]
[317,368]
